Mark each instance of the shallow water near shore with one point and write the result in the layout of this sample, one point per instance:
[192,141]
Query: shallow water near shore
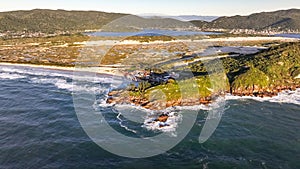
[152,32]
[289,35]
[39,128]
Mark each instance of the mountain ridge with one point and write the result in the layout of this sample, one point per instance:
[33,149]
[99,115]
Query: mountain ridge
[49,21]
[281,20]
[44,20]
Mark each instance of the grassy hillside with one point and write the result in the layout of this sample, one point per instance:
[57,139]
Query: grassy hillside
[272,69]
[263,74]
[54,20]
[278,20]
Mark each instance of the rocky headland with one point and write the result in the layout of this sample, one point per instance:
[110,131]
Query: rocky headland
[264,74]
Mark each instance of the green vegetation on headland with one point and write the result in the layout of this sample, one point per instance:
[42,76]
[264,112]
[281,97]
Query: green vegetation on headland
[265,73]
[262,74]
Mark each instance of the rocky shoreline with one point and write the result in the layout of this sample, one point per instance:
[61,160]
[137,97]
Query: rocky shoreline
[119,97]
[115,97]
[255,91]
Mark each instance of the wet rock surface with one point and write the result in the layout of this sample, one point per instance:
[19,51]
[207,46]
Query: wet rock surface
[118,97]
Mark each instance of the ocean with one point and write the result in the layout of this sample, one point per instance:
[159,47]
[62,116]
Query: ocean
[40,127]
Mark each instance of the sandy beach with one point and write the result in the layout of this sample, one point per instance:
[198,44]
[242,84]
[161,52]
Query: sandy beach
[99,70]
[112,70]
[227,39]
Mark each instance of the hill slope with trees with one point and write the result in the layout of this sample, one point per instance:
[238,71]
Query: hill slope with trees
[49,21]
[282,20]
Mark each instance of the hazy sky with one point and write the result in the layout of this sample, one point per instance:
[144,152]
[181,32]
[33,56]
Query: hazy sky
[168,7]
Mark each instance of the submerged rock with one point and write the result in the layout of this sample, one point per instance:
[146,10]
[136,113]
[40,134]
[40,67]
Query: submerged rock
[162,118]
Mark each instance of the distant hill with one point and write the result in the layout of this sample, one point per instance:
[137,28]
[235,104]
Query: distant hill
[132,22]
[54,20]
[47,21]
[279,20]
[50,21]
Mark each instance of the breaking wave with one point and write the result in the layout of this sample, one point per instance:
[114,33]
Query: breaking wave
[11,76]
[101,84]
[291,97]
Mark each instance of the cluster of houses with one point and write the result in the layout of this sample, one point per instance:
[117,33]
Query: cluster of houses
[150,76]
[261,32]
[27,34]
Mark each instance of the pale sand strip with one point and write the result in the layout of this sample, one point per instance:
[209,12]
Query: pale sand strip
[100,70]
[232,39]
[227,39]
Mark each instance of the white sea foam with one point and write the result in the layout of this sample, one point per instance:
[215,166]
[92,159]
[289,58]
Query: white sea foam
[175,116]
[11,76]
[174,113]
[89,77]
[123,126]
[58,78]
[150,115]
[292,97]
[68,85]
[170,125]
[34,71]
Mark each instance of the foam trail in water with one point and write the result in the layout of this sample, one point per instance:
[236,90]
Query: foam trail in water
[292,97]
[175,117]
[61,79]
[68,85]
[55,73]
[213,119]
[11,76]
[123,126]
[34,71]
